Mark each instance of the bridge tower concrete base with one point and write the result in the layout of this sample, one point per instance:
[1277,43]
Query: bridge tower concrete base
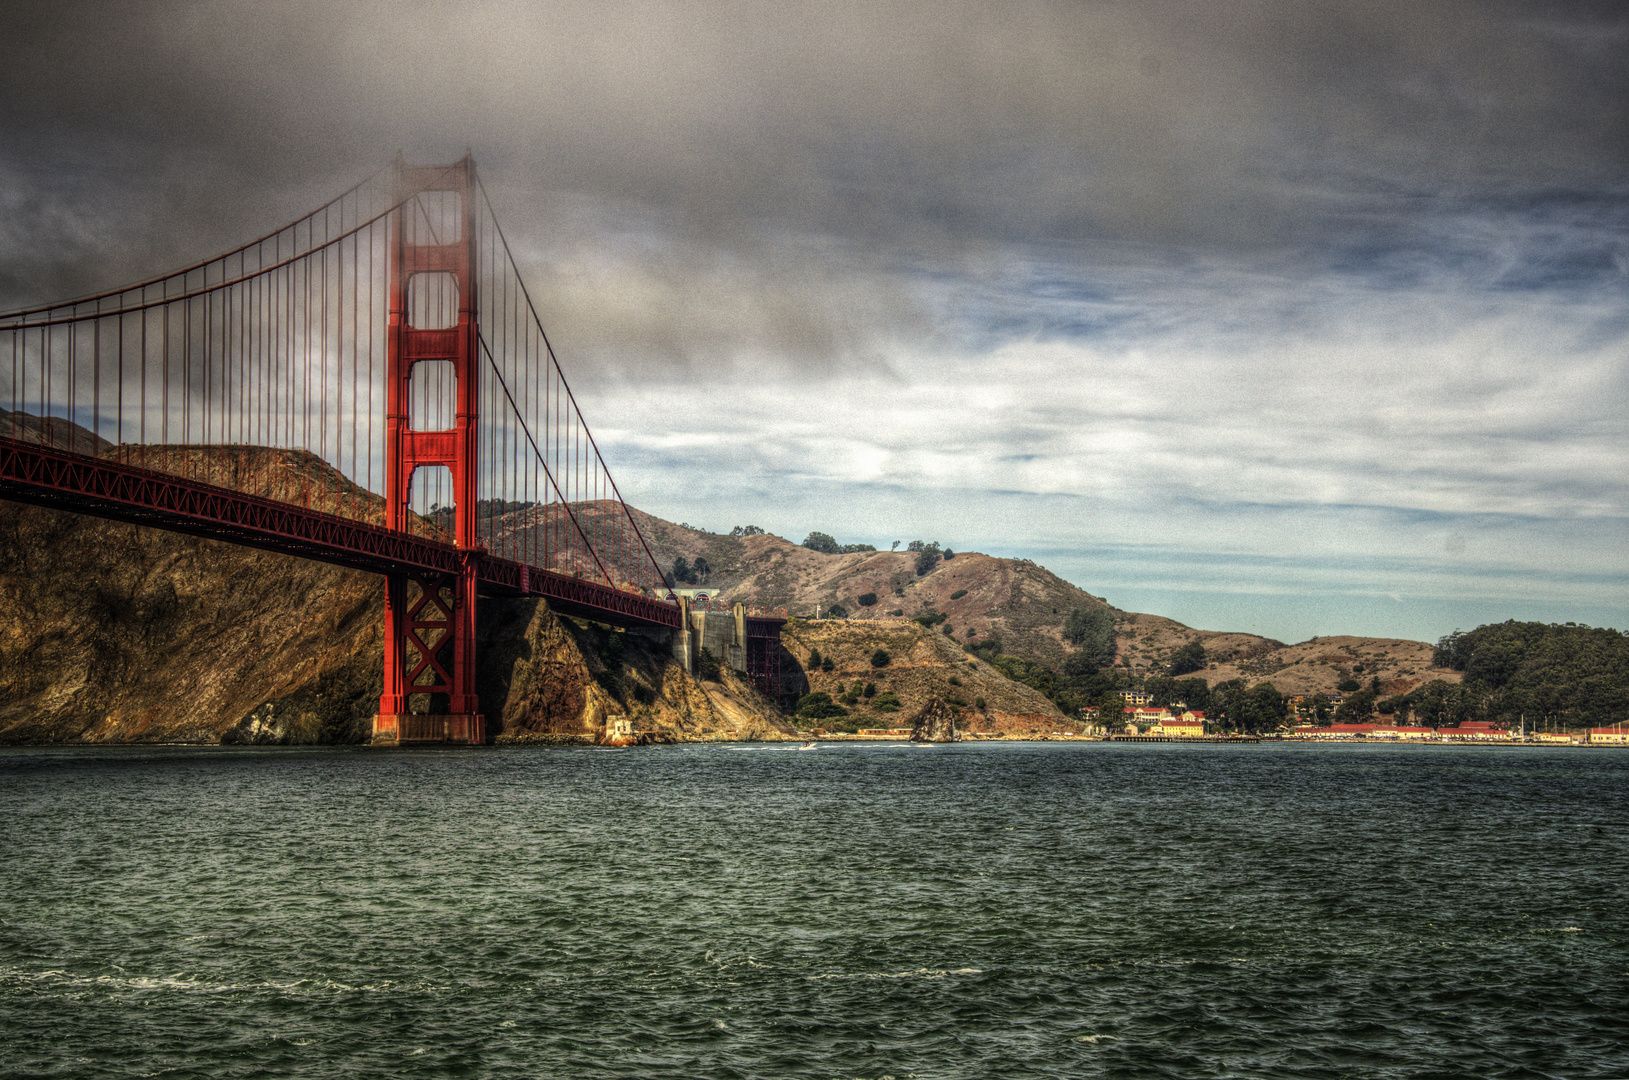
[426,729]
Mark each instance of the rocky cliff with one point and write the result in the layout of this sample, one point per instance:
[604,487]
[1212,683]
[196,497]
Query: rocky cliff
[112,633]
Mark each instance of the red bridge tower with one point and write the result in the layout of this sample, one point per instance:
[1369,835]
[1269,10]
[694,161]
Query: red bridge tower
[430,618]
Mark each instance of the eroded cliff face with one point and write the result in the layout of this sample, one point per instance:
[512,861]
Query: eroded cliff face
[112,633]
[560,680]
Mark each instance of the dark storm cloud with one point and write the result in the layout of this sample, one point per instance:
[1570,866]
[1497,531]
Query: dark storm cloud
[1230,277]
[896,140]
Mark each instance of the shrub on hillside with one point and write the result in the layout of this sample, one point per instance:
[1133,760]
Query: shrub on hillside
[708,667]
[887,701]
[824,543]
[819,706]
[880,658]
[867,599]
[958,594]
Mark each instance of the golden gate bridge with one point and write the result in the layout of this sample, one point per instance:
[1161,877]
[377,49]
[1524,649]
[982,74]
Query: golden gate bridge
[369,386]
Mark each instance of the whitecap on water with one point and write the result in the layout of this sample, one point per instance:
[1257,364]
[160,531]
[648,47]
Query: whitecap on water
[916,973]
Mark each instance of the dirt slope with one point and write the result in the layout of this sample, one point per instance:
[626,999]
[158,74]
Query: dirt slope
[921,668]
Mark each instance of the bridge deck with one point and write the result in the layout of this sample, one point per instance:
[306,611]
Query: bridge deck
[45,476]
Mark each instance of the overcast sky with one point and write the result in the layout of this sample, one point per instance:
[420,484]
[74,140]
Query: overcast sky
[1299,318]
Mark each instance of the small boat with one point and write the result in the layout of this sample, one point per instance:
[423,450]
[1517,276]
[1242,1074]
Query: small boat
[808,746]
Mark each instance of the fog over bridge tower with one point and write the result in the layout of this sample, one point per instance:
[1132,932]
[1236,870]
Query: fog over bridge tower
[432,422]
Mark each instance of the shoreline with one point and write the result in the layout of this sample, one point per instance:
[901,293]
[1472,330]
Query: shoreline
[840,737]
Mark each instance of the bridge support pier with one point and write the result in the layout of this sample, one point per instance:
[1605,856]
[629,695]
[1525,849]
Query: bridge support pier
[427,729]
[429,653]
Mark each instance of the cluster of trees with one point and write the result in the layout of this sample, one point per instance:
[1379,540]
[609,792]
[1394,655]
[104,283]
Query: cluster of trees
[688,573]
[1091,631]
[1088,679]
[1552,674]
[827,544]
[746,530]
[1188,658]
[928,555]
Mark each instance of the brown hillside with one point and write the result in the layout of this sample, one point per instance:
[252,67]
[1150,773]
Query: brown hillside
[922,665]
[1024,605]
[1316,666]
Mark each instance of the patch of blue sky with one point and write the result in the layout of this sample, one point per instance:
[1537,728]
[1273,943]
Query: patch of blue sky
[1566,269]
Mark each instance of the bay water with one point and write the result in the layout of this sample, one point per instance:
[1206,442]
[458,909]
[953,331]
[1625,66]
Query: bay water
[853,911]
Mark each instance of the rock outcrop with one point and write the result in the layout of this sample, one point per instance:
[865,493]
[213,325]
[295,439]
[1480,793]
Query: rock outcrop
[936,722]
[560,680]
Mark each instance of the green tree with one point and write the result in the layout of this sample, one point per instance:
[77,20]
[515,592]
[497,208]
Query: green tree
[819,706]
[1195,693]
[1111,711]
[821,542]
[1189,658]
[1358,708]
[708,667]
[866,599]
[1091,630]
[927,559]
[880,658]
